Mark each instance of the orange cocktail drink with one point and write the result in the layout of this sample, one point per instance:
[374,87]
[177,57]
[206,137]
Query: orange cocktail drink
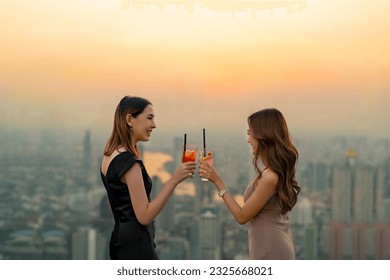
[189,156]
[208,157]
[190,153]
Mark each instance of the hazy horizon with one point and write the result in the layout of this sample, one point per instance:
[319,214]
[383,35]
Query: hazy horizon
[324,64]
[203,64]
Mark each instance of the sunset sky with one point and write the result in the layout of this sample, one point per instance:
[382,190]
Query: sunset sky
[324,63]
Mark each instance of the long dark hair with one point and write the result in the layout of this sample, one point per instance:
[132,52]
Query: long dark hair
[277,152]
[121,132]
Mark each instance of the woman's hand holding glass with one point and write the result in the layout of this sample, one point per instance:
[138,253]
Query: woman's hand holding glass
[184,171]
[207,172]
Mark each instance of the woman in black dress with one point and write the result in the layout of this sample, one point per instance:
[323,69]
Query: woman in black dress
[128,184]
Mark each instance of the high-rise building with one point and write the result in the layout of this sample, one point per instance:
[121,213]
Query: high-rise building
[178,147]
[304,229]
[204,194]
[208,232]
[382,210]
[386,188]
[353,216]
[317,176]
[87,151]
[210,235]
[88,244]
[165,219]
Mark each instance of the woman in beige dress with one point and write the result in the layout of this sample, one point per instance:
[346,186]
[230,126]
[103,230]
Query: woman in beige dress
[270,196]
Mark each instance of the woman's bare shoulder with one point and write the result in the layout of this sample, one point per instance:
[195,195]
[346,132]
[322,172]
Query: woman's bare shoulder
[268,176]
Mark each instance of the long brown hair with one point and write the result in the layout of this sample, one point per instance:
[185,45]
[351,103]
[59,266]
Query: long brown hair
[277,152]
[121,132]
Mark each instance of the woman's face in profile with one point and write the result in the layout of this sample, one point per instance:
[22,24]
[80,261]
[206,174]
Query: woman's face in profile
[252,141]
[144,124]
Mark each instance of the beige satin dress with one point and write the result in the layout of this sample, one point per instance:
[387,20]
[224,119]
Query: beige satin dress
[269,233]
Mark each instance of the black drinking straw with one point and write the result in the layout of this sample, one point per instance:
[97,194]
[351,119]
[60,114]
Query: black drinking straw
[204,142]
[185,141]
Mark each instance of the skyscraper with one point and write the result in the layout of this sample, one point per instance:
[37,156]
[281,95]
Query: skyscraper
[382,209]
[353,215]
[88,244]
[317,176]
[165,219]
[305,231]
[210,236]
[87,151]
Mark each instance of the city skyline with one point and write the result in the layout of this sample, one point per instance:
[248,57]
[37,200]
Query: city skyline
[48,198]
[325,66]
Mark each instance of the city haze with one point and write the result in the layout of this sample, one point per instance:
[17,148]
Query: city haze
[203,64]
[324,64]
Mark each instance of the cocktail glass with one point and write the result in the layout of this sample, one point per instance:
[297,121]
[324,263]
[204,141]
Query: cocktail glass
[190,153]
[206,156]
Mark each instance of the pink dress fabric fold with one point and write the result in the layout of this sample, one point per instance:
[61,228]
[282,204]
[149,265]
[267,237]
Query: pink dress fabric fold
[269,233]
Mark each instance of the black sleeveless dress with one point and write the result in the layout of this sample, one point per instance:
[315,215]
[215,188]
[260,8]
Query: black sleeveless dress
[130,240]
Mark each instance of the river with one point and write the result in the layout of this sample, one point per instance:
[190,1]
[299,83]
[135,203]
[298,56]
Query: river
[154,163]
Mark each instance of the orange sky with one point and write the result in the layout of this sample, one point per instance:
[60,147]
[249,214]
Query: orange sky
[328,51]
